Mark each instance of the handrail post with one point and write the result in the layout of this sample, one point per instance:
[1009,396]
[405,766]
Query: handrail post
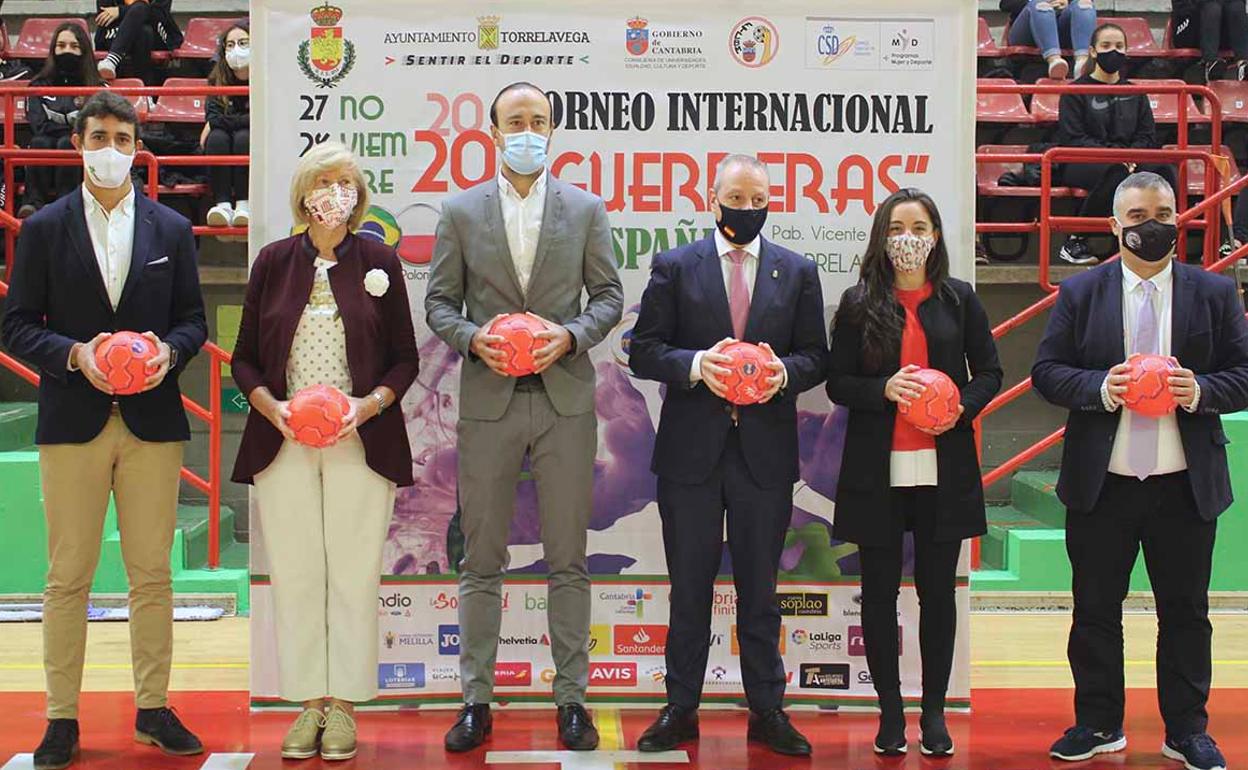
[1181,244]
[1046,210]
[214,462]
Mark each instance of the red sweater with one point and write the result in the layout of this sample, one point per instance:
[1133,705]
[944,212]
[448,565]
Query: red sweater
[906,437]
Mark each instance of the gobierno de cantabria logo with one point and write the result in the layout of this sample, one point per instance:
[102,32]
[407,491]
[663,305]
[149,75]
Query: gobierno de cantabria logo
[326,57]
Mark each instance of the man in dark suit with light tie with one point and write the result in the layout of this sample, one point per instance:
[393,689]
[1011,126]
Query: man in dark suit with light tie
[105,258]
[711,457]
[1129,480]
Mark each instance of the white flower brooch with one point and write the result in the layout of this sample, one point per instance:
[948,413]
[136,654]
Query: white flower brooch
[376,282]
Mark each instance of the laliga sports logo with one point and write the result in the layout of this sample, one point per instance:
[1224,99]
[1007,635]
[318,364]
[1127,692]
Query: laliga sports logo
[754,42]
[326,57]
[637,38]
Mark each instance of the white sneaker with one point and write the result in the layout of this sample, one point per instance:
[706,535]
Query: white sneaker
[108,68]
[220,215]
[1058,68]
[242,215]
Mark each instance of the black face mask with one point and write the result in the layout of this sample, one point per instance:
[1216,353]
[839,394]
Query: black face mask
[1151,241]
[68,63]
[1111,61]
[741,226]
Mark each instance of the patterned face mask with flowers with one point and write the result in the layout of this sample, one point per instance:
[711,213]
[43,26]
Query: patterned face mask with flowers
[332,206]
[908,252]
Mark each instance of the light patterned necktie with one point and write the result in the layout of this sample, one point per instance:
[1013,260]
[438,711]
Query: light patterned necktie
[1142,446]
[738,293]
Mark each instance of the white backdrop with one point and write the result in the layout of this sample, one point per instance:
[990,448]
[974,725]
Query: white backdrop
[846,102]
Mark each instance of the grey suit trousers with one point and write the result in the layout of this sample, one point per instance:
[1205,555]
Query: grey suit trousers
[561,455]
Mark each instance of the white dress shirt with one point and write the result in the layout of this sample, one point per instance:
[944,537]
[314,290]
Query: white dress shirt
[112,238]
[522,218]
[750,266]
[1170,455]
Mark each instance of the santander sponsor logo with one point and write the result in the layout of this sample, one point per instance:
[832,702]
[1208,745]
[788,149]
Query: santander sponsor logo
[513,674]
[640,640]
[613,674]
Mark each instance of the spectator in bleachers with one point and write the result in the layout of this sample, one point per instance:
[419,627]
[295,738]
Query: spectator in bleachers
[70,62]
[132,29]
[1212,25]
[1097,120]
[1052,25]
[228,129]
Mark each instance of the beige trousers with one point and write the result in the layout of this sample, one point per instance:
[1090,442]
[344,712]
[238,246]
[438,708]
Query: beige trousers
[325,516]
[77,479]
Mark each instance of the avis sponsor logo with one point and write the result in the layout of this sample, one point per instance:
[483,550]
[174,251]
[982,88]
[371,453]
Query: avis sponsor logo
[640,640]
[613,674]
[448,640]
[858,647]
[400,676]
[513,674]
[803,604]
[824,676]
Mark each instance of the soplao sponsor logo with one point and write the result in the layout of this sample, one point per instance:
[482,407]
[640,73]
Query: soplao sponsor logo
[613,674]
[640,640]
[803,604]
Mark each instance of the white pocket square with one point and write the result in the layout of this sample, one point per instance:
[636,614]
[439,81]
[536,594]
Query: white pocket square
[160,261]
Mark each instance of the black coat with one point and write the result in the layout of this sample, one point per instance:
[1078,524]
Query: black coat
[1084,339]
[52,116]
[231,118]
[958,335]
[1098,120]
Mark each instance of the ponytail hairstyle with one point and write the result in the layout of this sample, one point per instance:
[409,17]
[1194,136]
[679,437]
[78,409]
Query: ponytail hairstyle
[1090,64]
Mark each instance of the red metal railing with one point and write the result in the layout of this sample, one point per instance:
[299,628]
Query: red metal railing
[13,156]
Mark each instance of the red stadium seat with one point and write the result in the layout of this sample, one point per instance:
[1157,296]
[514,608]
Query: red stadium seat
[4,38]
[1234,96]
[1140,40]
[1196,169]
[1014,50]
[200,39]
[179,109]
[1000,108]
[140,103]
[986,48]
[1044,107]
[987,174]
[35,39]
[19,112]
[1166,106]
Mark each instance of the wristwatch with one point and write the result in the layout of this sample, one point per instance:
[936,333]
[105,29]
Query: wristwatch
[173,356]
[381,401]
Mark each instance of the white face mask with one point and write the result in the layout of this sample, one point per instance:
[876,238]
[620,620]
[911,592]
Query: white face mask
[107,167]
[238,57]
[909,252]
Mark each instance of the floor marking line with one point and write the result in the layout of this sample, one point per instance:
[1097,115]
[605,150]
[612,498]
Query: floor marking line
[1049,663]
[227,762]
[584,760]
[123,667]
[20,762]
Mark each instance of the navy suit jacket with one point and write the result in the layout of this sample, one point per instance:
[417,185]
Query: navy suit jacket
[684,310]
[58,298]
[1084,338]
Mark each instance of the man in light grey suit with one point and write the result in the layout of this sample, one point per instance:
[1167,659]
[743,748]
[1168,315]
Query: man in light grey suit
[524,242]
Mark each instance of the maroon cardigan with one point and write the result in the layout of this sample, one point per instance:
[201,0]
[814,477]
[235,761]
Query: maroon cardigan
[381,345]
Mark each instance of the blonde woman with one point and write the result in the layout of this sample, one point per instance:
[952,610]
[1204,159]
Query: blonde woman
[326,307]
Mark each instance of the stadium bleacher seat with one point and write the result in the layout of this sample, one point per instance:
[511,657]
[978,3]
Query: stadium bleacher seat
[19,113]
[179,109]
[1140,40]
[1196,168]
[200,39]
[987,174]
[140,103]
[1014,50]
[1044,107]
[1234,96]
[986,47]
[4,38]
[35,38]
[1000,108]
[1166,106]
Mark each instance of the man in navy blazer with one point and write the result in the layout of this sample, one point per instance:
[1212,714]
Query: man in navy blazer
[1129,480]
[105,258]
[711,456]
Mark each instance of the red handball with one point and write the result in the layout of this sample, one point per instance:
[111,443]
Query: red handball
[937,406]
[519,330]
[747,382]
[122,358]
[1148,390]
[317,414]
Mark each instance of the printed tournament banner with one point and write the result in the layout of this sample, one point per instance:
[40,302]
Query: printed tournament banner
[844,102]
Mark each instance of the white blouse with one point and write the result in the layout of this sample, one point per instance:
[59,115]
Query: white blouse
[318,354]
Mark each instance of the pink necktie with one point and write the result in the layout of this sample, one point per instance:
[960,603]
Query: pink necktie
[1142,451]
[738,293]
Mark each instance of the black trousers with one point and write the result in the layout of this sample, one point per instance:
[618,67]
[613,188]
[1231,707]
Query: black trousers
[693,525]
[1158,513]
[45,184]
[935,580]
[229,183]
[132,36]
[1101,180]
[1240,215]
[1211,25]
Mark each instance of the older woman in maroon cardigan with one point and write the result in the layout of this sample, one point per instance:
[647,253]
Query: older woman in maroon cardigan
[326,307]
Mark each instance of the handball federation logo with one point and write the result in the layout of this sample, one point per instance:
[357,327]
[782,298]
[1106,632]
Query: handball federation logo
[326,57]
[754,41]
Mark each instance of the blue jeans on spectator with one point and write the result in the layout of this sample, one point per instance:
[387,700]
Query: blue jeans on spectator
[1039,25]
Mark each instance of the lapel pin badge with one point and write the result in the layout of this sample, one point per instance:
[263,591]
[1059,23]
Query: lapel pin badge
[775,273]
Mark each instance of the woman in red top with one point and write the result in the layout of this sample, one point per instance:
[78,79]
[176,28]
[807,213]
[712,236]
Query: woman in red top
[907,314]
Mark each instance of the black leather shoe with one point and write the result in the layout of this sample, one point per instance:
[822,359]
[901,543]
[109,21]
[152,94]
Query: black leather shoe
[471,729]
[162,728]
[774,729]
[935,740]
[675,725]
[59,747]
[576,729]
